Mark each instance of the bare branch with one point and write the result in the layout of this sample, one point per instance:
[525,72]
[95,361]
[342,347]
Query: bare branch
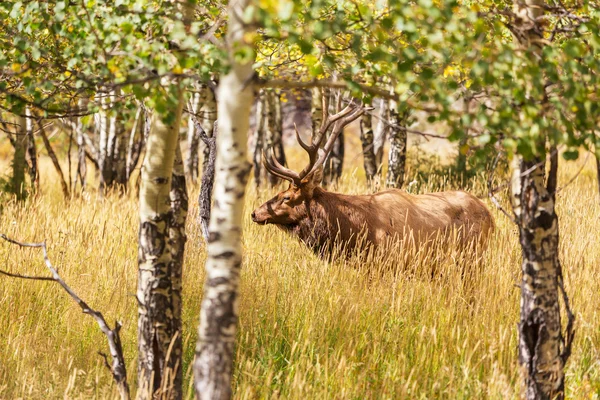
[118,367]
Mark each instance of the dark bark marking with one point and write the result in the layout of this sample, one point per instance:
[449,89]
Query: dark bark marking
[213,237]
[224,255]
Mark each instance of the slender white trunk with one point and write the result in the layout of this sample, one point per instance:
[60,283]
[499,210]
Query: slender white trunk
[259,138]
[102,128]
[381,132]
[208,116]
[397,154]
[156,317]
[213,365]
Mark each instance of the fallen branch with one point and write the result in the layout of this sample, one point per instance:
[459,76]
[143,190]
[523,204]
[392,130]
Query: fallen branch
[118,368]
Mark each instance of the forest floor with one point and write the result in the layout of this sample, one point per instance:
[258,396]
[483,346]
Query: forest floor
[308,329]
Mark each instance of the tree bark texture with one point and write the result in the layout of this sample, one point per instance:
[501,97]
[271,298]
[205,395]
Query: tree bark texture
[177,239]
[332,169]
[368,151]
[381,132]
[316,110]
[273,130]
[208,180]
[543,350]
[157,363]
[259,139]
[112,145]
[208,117]
[34,173]
[397,154]
[18,183]
[219,313]
[81,172]
[193,139]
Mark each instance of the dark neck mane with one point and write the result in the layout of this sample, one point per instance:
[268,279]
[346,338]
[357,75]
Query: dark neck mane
[332,222]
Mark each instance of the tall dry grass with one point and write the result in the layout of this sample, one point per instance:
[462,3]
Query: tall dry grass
[308,329]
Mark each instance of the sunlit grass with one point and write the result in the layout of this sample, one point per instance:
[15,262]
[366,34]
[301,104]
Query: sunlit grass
[308,329]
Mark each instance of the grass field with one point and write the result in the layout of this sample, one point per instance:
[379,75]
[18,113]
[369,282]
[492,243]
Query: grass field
[308,330]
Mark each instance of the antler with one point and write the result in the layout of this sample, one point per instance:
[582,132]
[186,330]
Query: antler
[316,154]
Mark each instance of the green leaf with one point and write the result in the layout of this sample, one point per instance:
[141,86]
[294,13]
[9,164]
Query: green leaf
[571,154]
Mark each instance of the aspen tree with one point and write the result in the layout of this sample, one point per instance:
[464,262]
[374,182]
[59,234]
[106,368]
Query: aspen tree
[213,365]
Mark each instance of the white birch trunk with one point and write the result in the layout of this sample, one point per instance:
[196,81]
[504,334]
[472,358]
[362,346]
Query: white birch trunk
[397,154]
[219,314]
[381,132]
[102,128]
[543,349]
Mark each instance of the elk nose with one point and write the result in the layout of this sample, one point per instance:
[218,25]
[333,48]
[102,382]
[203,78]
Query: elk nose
[253,215]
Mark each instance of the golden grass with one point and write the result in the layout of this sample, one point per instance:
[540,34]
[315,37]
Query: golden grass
[308,329]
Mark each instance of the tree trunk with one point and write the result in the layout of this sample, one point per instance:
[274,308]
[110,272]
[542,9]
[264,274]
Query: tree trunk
[273,141]
[193,138]
[34,174]
[381,133]
[332,169]
[102,128]
[208,116]
[119,157]
[156,321]
[543,350]
[18,183]
[397,155]
[81,165]
[219,314]
[316,110]
[366,138]
[177,239]
[259,138]
[208,180]
[137,140]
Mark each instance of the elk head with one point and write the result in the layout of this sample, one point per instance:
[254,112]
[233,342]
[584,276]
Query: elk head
[289,207]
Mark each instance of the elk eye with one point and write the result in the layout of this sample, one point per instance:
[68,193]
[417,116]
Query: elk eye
[286,198]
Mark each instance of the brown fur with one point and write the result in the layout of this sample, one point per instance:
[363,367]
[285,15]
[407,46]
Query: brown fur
[323,219]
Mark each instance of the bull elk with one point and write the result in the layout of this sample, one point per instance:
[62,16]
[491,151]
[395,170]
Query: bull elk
[324,220]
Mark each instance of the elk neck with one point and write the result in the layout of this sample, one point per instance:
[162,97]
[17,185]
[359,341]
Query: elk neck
[331,219]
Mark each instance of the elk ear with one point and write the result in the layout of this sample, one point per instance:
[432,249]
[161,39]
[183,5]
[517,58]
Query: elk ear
[315,177]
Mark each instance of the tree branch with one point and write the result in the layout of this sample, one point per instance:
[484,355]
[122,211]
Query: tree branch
[118,367]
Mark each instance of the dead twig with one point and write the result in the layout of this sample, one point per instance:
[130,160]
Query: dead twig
[118,368]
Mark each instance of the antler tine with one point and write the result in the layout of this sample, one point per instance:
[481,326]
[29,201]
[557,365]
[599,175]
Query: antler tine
[279,170]
[300,141]
[333,119]
[349,117]
[268,167]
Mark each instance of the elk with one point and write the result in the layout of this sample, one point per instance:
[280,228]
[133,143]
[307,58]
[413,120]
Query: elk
[324,220]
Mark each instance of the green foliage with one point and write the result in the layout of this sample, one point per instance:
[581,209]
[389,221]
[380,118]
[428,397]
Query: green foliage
[55,52]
